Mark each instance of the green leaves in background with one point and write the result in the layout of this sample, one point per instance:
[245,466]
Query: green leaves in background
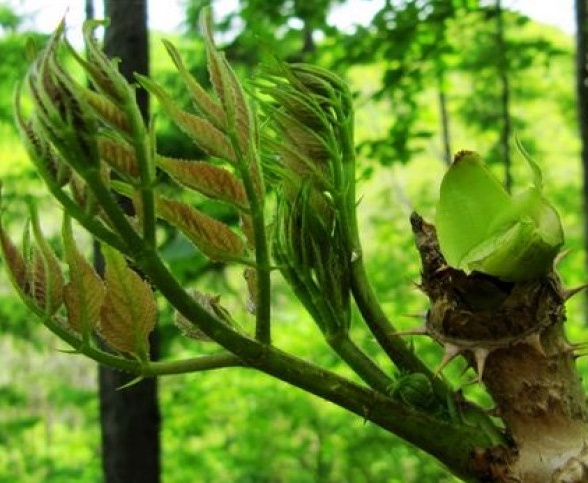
[481,227]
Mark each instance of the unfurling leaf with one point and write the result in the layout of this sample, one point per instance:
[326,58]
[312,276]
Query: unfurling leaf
[481,227]
[119,155]
[206,105]
[49,165]
[65,117]
[213,238]
[202,132]
[212,181]
[101,70]
[129,312]
[211,303]
[45,279]
[107,111]
[415,390]
[227,87]
[14,262]
[84,294]
[205,135]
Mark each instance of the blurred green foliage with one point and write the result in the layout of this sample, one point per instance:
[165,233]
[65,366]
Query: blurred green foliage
[219,426]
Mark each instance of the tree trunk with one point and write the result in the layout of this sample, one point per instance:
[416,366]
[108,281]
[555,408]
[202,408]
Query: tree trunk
[581,7]
[512,334]
[89,9]
[445,133]
[130,417]
[504,96]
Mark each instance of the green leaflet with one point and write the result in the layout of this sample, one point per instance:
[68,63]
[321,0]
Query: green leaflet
[129,311]
[85,291]
[481,227]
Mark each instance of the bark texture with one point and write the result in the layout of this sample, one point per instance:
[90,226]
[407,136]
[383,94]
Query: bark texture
[512,334]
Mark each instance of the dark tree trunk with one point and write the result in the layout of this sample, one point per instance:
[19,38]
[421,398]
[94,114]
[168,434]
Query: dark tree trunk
[582,98]
[130,417]
[127,39]
[89,9]
[445,134]
[309,45]
[504,96]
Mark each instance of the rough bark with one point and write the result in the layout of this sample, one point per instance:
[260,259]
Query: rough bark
[512,335]
[130,418]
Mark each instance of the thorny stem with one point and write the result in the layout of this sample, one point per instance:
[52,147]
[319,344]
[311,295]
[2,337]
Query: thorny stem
[142,368]
[383,330]
[362,290]
[453,443]
[359,362]
[336,336]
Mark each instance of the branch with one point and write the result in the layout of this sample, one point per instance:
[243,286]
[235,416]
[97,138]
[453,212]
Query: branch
[383,330]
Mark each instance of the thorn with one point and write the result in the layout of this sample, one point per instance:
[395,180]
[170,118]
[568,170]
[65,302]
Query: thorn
[493,412]
[417,286]
[69,351]
[568,293]
[422,330]
[443,268]
[480,355]
[574,347]
[421,316]
[560,256]
[451,352]
[534,341]
[131,383]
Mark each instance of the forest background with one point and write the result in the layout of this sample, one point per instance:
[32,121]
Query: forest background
[430,77]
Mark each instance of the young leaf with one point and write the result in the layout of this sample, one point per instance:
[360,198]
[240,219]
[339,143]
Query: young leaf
[85,292]
[129,311]
[46,280]
[205,104]
[471,197]
[202,132]
[15,262]
[215,239]
[211,304]
[48,164]
[212,181]
[481,227]
[227,86]
[119,155]
[107,111]
[100,69]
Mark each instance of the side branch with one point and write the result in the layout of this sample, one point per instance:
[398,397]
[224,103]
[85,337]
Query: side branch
[383,330]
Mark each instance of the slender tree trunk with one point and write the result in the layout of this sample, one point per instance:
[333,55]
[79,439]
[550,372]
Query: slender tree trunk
[89,9]
[581,7]
[309,45]
[445,133]
[130,418]
[504,96]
